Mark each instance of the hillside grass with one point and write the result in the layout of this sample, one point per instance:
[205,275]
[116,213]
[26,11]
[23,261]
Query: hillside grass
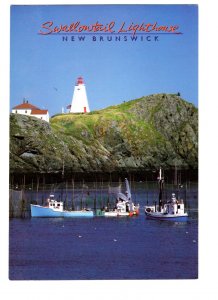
[97,124]
[106,125]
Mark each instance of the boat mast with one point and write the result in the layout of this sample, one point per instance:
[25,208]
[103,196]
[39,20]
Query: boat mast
[161,180]
[128,194]
[128,189]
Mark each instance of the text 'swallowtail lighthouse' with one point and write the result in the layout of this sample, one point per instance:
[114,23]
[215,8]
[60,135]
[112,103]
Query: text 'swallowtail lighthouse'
[79,102]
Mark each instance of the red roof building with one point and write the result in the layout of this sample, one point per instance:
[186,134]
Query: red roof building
[27,108]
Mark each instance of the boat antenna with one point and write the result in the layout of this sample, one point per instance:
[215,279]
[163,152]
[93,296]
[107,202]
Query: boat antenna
[161,181]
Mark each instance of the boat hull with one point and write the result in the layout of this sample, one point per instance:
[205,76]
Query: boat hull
[46,212]
[111,214]
[167,217]
[120,214]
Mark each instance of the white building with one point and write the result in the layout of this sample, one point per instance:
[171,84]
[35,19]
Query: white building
[28,109]
[79,102]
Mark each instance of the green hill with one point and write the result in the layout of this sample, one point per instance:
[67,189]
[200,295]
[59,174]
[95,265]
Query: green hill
[157,130]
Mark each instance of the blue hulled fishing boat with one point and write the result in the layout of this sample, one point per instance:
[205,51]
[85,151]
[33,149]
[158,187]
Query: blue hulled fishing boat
[55,208]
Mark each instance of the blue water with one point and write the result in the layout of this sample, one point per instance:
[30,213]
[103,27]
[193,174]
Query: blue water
[103,248]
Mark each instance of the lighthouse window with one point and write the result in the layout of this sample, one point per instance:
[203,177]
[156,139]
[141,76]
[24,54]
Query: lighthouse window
[178,206]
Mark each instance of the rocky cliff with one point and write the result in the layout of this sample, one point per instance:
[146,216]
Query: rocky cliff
[157,130]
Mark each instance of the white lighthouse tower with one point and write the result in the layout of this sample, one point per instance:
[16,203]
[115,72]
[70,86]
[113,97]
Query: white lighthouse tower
[79,102]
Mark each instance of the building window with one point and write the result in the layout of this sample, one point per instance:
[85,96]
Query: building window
[15,111]
[25,111]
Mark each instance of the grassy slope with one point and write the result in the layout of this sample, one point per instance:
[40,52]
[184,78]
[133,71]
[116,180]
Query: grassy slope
[97,123]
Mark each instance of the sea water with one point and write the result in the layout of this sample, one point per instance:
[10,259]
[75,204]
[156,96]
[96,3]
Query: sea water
[104,248]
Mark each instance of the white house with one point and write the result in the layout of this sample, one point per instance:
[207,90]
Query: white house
[31,110]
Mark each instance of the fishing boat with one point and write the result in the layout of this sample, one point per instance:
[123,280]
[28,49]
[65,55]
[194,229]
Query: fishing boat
[172,210]
[55,209]
[124,205]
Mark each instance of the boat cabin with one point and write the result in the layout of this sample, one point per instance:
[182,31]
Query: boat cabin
[122,206]
[54,204]
[174,206]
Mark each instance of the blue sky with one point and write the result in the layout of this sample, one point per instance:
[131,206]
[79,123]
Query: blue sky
[44,69]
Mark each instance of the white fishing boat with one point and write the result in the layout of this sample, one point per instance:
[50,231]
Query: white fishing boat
[55,208]
[172,210]
[124,205]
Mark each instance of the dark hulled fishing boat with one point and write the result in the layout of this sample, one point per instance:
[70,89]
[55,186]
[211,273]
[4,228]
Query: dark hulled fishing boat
[173,209]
